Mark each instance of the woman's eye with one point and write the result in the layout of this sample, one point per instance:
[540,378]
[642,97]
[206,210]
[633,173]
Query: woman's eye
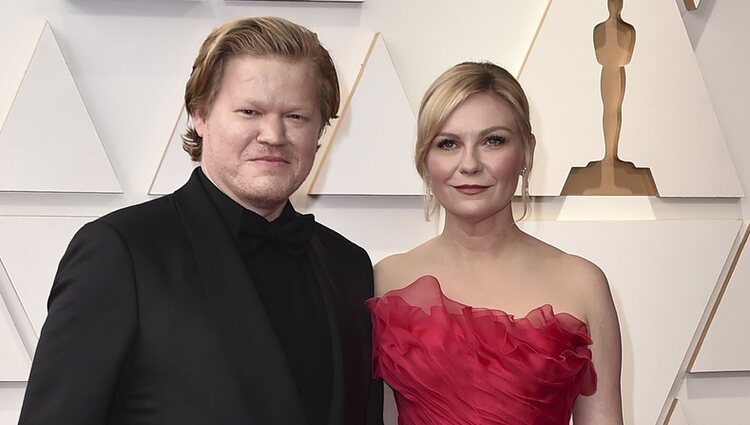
[446,144]
[495,141]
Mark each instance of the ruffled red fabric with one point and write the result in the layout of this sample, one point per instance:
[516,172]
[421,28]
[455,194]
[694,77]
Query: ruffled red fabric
[449,363]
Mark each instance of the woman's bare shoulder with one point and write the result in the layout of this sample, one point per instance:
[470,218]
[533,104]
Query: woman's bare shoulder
[572,275]
[590,286]
[399,270]
[582,270]
[571,267]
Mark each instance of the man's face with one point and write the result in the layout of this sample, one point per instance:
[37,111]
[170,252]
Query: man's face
[261,134]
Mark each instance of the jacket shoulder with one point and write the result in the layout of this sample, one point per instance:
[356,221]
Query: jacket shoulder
[334,240]
[146,214]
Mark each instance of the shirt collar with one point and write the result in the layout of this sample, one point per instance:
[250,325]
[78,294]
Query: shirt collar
[233,214]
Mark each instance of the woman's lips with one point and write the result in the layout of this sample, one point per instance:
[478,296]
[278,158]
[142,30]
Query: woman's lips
[470,189]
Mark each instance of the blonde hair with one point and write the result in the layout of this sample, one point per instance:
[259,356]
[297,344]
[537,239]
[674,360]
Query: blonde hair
[255,36]
[453,87]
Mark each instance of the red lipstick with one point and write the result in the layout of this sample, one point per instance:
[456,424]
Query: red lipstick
[470,189]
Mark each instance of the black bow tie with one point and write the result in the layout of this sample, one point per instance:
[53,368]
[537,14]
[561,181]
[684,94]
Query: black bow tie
[290,233]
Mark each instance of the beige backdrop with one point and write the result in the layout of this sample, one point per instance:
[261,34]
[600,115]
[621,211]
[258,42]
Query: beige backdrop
[670,261]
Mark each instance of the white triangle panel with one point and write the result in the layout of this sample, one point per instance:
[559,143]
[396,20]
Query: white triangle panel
[373,150]
[662,274]
[669,123]
[597,208]
[175,166]
[11,399]
[31,248]
[15,363]
[717,399]
[678,415]
[48,142]
[727,342]
[346,47]
[403,216]
[561,78]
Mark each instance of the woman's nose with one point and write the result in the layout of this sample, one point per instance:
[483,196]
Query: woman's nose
[470,162]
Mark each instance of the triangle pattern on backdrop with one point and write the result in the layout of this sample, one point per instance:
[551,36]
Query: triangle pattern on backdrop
[175,165]
[31,269]
[15,362]
[678,415]
[48,128]
[727,339]
[715,399]
[561,79]
[662,275]
[667,105]
[373,147]
[665,102]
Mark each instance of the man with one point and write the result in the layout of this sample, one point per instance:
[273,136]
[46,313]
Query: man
[219,304]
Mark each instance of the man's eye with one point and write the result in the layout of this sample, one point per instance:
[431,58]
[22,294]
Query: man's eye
[296,116]
[249,112]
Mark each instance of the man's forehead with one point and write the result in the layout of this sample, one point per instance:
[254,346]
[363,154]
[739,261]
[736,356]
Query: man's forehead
[260,57]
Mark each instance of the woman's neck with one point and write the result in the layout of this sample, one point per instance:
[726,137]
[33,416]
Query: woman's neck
[491,235]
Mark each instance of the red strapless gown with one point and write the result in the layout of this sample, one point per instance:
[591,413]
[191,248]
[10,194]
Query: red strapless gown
[453,364]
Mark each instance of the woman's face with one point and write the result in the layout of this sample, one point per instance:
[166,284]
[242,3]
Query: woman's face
[474,162]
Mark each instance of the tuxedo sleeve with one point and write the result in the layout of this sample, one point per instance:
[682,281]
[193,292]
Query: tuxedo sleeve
[90,326]
[375,403]
[375,394]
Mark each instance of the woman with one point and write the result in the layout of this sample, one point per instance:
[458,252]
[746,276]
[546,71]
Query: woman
[485,324]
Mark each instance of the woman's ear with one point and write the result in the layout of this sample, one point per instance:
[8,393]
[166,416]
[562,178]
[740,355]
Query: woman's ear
[529,153]
[532,144]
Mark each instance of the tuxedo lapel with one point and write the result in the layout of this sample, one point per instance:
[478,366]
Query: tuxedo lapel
[247,338]
[346,405]
[317,256]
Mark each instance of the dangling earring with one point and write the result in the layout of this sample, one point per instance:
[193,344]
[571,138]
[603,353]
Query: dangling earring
[525,188]
[429,202]
[525,196]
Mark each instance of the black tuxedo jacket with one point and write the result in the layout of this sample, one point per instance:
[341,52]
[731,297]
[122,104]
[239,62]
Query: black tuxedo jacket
[154,320]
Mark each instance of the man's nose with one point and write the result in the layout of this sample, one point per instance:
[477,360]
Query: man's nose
[272,130]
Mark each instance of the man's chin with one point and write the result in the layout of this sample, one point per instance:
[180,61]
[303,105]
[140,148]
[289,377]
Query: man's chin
[269,197]
[265,191]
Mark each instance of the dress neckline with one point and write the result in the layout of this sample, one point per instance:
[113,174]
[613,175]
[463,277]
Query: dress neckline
[546,307]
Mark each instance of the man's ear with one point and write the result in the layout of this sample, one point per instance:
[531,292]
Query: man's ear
[199,124]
